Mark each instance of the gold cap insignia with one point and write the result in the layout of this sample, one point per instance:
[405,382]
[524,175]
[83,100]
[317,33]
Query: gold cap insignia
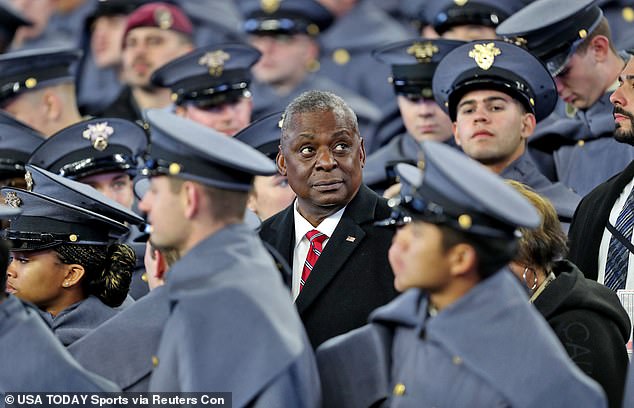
[465,221]
[281,122]
[28,179]
[484,54]
[583,33]
[422,51]
[628,14]
[12,199]
[519,41]
[269,6]
[73,238]
[30,83]
[163,18]
[215,61]
[174,169]
[427,93]
[98,135]
[460,3]
[312,30]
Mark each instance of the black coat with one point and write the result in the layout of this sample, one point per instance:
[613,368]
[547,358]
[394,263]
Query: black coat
[352,276]
[590,322]
[590,220]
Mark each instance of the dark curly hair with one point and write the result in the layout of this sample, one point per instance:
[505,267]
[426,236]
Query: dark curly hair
[108,269]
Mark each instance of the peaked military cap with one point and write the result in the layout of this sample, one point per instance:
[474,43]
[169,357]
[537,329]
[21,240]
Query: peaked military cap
[26,70]
[91,147]
[495,65]
[188,150]
[46,222]
[413,63]
[264,134]
[161,15]
[263,17]
[16,145]
[445,14]
[79,194]
[552,29]
[449,188]
[209,76]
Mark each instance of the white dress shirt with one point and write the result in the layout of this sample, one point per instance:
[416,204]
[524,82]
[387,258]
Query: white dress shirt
[605,240]
[327,227]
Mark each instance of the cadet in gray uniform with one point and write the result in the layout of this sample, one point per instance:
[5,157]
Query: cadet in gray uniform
[573,40]
[210,85]
[413,63]
[103,154]
[227,298]
[495,93]
[28,348]
[66,262]
[286,34]
[346,48]
[462,334]
[37,88]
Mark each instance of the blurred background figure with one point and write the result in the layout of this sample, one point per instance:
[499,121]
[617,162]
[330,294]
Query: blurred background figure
[359,27]
[38,88]
[587,317]
[286,33]
[98,73]
[11,20]
[155,34]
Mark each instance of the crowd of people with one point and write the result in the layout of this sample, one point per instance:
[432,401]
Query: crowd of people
[311,203]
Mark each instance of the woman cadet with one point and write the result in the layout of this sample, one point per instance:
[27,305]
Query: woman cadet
[462,333]
[65,260]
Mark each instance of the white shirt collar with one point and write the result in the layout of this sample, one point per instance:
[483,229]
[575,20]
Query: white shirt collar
[327,226]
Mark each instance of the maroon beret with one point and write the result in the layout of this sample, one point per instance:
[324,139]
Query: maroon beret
[160,15]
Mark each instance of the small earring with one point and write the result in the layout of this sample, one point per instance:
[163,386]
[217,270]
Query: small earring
[526,269]
[65,284]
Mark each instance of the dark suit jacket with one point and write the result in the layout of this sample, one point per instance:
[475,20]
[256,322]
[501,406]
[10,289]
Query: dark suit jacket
[352,276]
[590,219]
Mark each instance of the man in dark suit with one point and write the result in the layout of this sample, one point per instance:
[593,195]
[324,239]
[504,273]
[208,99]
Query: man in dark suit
[591,245]
[322,154]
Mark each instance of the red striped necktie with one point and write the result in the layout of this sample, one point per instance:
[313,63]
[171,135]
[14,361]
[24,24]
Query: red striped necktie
[316,240]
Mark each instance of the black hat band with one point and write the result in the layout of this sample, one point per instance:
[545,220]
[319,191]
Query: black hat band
[26,81]
[469,14]
[92,165]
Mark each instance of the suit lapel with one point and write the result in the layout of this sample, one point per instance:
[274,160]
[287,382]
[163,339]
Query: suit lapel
[282,236]
[599,213]
[345,239]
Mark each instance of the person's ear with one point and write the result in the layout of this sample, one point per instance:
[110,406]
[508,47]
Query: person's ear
[74,274]
[280,161]
[462,259]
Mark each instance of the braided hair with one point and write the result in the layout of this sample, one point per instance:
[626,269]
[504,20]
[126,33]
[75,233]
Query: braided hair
[108,269]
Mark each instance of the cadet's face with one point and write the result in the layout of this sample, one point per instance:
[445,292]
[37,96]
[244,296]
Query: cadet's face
[470,33]
[490,126]
[284,59]
[147,48]
[106,38]
[36,276]
[424,119]
[417,257]
[323,157]
[164,209]
[270,195]
[579,84]
[228,118]
[623,101]
[115,185]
